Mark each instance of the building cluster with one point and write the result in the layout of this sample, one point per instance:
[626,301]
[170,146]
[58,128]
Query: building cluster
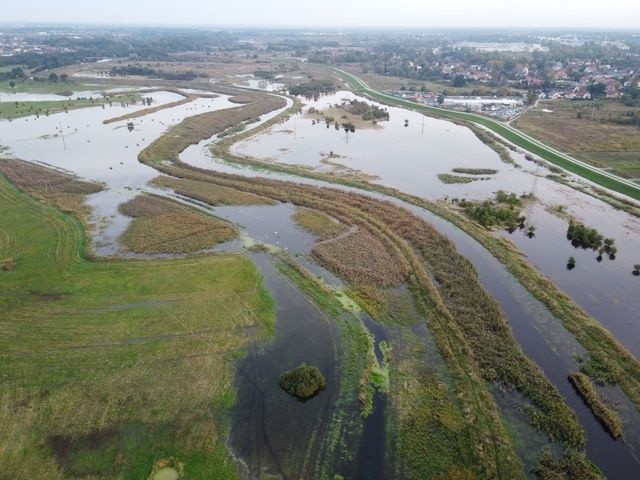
[11,45]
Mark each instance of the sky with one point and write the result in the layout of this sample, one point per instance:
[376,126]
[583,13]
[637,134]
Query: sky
[339,13]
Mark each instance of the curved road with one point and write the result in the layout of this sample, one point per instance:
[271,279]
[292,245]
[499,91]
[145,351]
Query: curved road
[509,133]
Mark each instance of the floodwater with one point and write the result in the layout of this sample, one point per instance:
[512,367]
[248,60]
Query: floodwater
[273,433]
[540,334]
[410,158]
[268,421]
[79,142]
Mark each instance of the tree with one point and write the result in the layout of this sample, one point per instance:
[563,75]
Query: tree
[53,77]
[597,89]
[12,84]
[64,77]
[459,81]
[440,99]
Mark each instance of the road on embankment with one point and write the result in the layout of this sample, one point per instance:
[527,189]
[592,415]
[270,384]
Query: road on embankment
[507,132]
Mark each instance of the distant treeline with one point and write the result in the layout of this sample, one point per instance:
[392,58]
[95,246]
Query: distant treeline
[150,72]
[312,89]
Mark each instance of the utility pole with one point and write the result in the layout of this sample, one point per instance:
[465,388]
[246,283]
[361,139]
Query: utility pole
[62,135]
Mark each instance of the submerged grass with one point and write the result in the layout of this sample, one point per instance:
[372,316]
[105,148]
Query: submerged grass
[609,417]
[108,367]
[466,323]
[614,360]
[451,179]
[318,223]
[164,226]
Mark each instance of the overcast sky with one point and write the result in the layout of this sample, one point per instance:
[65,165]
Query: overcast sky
[393,13]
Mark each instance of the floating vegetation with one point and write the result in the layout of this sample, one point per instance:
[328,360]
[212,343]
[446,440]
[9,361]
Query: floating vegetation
[609,417]
[449,179]
[636,270]
[303,382]
[475,171]
[571,263]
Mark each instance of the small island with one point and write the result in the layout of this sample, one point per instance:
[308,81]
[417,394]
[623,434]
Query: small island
[303,382]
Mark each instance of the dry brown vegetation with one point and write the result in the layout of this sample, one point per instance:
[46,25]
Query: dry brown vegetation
[209,193]
[52,186]
[164,226]
[362,259]
[318,223]
[241,99]
[585,129]
[194,129]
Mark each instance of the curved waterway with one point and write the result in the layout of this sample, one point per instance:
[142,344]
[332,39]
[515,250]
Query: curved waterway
[540,334]
[410,158]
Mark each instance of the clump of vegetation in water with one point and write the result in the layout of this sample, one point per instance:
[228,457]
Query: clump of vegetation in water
[636,270]
[504,211]
[448,178]
[571,263]
[303,382]
[475,171]
[312,89]
[609,417]
[366,111]
[582,236]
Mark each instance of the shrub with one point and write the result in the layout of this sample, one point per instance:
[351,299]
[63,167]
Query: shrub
[303,382]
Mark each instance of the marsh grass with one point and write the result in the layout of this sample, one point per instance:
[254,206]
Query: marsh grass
[318,223]
[209,193]
[609,417]
[362,259]
[63,190]
[165,226]
[451,179]
[475,171]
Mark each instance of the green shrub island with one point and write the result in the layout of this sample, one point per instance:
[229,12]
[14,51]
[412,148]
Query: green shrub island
[303,382]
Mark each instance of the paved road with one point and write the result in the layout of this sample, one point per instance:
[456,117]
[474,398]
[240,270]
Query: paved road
[507,132]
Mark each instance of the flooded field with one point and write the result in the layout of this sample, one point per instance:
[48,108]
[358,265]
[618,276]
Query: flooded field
[410,158]
[276,436]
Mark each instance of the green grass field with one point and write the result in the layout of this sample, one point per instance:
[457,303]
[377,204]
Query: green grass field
[107,367]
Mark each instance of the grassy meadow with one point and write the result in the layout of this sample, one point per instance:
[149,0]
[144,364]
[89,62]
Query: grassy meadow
[111,368]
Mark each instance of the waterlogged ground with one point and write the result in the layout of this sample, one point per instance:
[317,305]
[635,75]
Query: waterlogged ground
[269,428]
[80,143]
[410,158]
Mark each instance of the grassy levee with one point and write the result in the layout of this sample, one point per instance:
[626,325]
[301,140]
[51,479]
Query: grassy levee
[509,133]
[609,362]
[108,367]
